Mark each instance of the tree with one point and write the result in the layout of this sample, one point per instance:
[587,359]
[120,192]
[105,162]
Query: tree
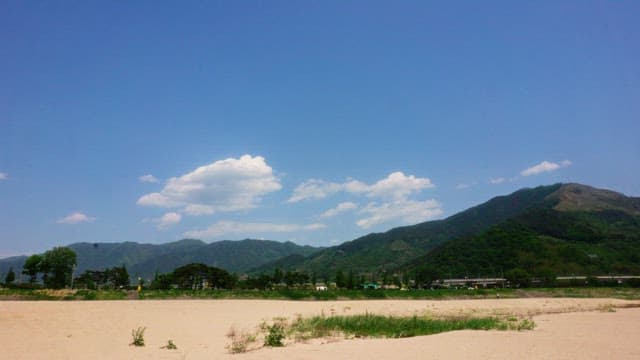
[118,276]
[277,276]
[351,280]
[340,279]
[10,278]
[57,265]
[32,267]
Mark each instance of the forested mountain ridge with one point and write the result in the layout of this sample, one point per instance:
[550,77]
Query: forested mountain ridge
[145,259]
[391,249]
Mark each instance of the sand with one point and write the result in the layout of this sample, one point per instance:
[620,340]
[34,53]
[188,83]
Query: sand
[566,329]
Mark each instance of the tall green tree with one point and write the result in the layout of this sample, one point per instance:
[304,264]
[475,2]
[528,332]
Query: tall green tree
[340,279]
[32,267]
[119,276]
[10,278]
[57,265]
[351,280]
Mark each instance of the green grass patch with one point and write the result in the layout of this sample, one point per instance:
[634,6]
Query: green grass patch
[369,325]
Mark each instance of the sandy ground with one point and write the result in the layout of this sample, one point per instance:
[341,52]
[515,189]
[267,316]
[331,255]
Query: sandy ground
[566,329]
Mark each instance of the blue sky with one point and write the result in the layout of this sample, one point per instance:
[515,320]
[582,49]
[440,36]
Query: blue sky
[315,122]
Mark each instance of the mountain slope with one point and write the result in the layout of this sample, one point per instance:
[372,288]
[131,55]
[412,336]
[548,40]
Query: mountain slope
[389,250]
[578,230]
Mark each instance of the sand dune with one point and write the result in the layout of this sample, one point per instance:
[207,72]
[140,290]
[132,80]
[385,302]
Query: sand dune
[566,329]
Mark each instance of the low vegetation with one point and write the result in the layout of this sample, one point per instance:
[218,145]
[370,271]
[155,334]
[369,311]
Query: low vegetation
[138,336]
[369,325]
[275,333]
[625,293]
[170,345]
[364,326]
[241,341]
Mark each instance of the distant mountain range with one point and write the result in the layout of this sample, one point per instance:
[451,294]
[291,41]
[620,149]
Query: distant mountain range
[561,228]
[145,259]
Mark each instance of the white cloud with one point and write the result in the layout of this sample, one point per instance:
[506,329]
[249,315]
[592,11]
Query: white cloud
[148,179]
[248,229]
[222,186]
[199,209]
[396,185]
[544,166]
[4,176]
[314,189]
[406,211]
[75,218]
[167,220]
[462,186]
[342,207]
[497,181]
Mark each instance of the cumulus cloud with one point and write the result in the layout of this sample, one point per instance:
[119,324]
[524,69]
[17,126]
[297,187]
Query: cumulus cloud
[4,176]
[148,179]
[544,166]
[222,186]
[342,207]
[497,181]
[391,196]
[396,185]
[167,220]
[249,229]
[404,210]
[75,218]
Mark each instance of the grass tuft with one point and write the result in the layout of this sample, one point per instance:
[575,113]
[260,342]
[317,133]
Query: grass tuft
[241,341]
[170,345]
[138,336]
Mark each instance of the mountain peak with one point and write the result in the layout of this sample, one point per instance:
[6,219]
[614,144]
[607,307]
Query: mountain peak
[578,197]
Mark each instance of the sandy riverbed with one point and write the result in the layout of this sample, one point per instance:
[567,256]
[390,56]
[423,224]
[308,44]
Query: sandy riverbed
[566,329]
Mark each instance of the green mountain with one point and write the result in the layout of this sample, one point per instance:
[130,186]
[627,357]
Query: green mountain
[576,230]
[145,259]
[396,247]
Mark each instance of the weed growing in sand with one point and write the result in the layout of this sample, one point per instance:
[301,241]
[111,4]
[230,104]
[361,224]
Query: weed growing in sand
[138,336]
[275,332]
[514,323]
[170,345]
[241,341]
[607,308]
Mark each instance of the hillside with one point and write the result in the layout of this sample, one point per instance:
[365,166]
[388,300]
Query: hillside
[145,259]
[390,250]
[583,230]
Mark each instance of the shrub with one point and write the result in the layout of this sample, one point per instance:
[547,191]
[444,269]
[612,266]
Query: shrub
[138,336]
